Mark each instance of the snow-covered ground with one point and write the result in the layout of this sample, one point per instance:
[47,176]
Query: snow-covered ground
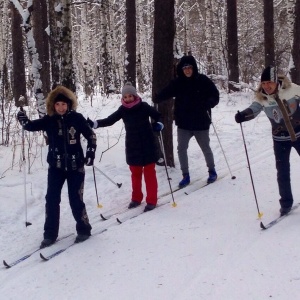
[210,246]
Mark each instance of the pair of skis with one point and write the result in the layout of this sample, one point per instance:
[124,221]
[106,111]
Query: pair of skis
[26,256]
[50,256]
[61,250]
[118,212]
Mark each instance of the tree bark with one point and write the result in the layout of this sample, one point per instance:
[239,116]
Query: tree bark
[40,23]
[232,39]
[269,33]
[295,71]
[164,32]
[130,60]
[19,78]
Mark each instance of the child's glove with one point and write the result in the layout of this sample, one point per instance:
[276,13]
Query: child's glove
[157,126]
[93,124]
[22,117]
[90,156]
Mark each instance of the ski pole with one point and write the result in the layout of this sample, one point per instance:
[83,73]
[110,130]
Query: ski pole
[98,204]
[24,170]
[260,214]
[165,163]
[232,177]
[117,184]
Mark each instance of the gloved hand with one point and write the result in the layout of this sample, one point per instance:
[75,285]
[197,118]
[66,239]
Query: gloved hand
[22,117]
[90,156]
[211,103]
[157,126]
[240,117]
[92,123]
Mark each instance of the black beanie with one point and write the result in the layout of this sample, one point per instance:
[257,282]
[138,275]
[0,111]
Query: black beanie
[62,98]
[269,74]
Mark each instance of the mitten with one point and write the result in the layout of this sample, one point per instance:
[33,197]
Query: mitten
[157,126]
[93,124]
[90,156]
[22,117]
[240,117]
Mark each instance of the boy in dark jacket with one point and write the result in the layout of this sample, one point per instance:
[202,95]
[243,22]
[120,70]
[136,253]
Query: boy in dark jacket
[141,149]
[64,126]
[195,95]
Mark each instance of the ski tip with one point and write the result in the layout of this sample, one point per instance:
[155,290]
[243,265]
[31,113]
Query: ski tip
[103,218]
[262,226]
[43,257]
[6,264]
[119,221]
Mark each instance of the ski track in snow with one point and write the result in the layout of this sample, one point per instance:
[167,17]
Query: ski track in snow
[208,247]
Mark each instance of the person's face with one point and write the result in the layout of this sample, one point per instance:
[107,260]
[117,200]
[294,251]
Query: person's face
[269,87]
[188,71]
[128,98]
[61,107]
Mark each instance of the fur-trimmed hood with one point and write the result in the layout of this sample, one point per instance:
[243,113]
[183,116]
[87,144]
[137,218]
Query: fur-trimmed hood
[53,94]
[283,81]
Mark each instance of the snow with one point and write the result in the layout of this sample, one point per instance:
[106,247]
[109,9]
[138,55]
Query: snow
[210,246]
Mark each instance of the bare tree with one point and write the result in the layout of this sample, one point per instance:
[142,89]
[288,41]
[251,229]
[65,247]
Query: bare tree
[232,39]
[34,57]
[19,78]
[67,71]
[130,59]
[295,71]
[269,32]
[55,42]
[40,24]
[164,32]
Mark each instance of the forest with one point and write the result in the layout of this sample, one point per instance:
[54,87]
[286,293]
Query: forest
[95,46]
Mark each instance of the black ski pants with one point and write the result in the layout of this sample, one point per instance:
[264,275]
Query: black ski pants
[75,181]
[282,151]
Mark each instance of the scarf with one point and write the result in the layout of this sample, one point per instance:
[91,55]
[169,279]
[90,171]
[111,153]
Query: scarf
[136,101]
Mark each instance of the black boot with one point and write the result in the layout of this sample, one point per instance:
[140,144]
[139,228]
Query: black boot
[46,243]
[134,204]
[149,207]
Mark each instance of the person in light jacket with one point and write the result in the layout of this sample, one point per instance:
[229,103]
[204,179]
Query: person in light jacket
[274,93]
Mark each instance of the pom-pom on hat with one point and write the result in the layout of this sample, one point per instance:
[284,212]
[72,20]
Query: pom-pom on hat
[128,88]
[269,74]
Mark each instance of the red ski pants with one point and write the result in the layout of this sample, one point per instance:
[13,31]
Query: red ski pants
[150,182]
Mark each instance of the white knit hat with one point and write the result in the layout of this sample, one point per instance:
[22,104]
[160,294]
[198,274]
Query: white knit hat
[128,88]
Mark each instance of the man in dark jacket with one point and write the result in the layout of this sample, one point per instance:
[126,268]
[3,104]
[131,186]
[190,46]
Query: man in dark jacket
[195,94]
[64,126]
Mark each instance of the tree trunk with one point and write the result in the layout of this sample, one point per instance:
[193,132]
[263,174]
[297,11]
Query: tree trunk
[40,23]
[55,43]
[68,76]
[232,39]
[130,63]
[295,71]
[269,32]
[164,32]
[19,78]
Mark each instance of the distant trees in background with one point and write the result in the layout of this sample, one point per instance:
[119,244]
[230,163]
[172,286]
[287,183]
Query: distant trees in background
[95,46]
